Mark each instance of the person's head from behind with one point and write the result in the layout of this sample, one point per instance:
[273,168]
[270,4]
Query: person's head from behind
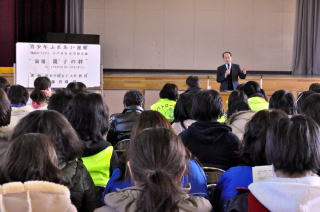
[207,106]
[169,91]
[157,160]
[227,57]
[182,109]
[88,115]
[149,119]
[42,90]
[251,88]
[254,139]
[133,98]
[192,82]
[56,127]
[293,147]
[59,100]
[237,101]
[283,100]
[4,84]
[5,109]
[315,87]
[311,107]
[18,95]
[31,157]
[300,99]
[76,87]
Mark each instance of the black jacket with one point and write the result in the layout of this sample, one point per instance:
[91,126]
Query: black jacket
[192,91]
[235,72]
[84,194]
[212,143]
[122,123]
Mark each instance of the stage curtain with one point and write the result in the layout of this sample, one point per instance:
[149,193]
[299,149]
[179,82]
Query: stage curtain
[7,33]
[74,16]
[307,38]
[36,17]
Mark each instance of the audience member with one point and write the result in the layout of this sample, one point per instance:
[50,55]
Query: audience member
[4,84]
[311,107]
[120,178]
[88,115]
[252,154]
[84,194]
[301,97]
[5,117]
[293,147]
[60,99]
[257,99]
[315,87]
[168,97]
[193,85]
[41,93]
[182,113]
[237,101]
[31,159]
[157,161]
[121,123]
[211,142]
[76,87]
[283,100]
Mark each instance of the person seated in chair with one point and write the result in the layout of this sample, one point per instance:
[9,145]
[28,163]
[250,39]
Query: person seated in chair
[121,123]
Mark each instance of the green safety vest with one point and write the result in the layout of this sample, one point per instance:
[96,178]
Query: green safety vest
[222,119]
[165,107]
[258,103]
[98,166]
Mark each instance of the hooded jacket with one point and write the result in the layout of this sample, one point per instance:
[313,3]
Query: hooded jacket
[238,122]
[281,195]
[125,201]
[213,143]
[35,196]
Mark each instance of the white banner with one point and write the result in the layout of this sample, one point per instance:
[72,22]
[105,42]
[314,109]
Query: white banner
[61,63]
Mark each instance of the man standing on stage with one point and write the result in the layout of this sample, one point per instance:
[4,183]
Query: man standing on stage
[228,73]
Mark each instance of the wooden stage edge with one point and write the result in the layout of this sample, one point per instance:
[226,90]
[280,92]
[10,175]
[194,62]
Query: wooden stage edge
[155,82]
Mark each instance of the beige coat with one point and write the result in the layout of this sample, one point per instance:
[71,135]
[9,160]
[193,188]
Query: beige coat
[238,122]
[35,196]
[125,201]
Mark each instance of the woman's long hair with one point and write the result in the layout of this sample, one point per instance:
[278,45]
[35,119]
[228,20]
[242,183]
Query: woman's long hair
[157,159]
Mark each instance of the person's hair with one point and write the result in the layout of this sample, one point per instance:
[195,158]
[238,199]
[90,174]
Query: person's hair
[251,88]
[182,109]
[226,52]
[60,99]
[157,159]
[169,91]
[76,87]
[315,87]
[133,97]
[56,126]
[40,84]
[149,119]
[88,115]
[207,106]
[5,109]
[237,101]
[31,157]
[293,145]
[192,81]
[4,84]
[283,100]
[300,100]
[254,138]
[18,94]
[311,107]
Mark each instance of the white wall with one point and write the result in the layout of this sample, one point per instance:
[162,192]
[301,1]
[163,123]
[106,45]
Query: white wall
[192,34]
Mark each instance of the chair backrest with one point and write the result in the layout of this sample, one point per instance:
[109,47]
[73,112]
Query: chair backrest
[213,175]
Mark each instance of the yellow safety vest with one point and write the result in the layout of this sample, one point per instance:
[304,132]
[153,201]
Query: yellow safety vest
[98,166]
[258,103]
[165,107]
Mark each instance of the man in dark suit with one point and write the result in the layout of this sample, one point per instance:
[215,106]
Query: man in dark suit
[228,73]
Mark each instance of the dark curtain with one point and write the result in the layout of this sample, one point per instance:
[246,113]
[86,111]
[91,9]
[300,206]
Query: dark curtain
[73,16]
[306,59]
[7,33]
[36,17]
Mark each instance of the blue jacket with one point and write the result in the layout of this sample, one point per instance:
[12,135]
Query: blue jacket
[239,176]
[195,176]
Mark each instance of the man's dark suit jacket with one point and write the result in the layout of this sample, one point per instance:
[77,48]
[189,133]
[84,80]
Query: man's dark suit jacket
[235,72]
